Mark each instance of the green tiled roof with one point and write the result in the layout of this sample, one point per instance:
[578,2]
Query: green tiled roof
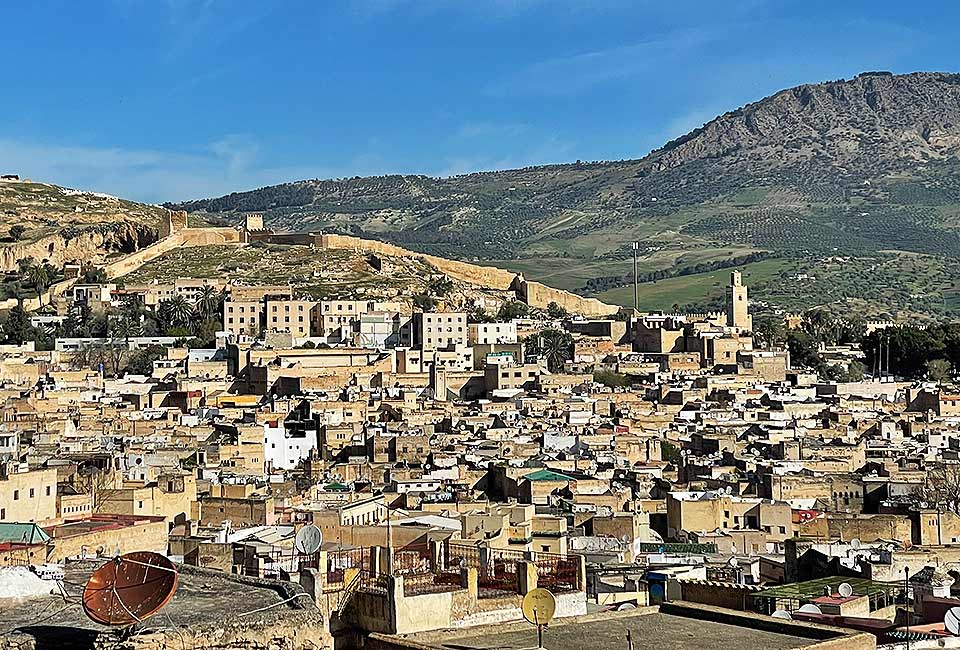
[22,533]
[546,475]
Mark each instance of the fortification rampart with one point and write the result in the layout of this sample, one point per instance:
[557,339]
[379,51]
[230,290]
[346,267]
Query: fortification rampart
[185,238]
[534,294]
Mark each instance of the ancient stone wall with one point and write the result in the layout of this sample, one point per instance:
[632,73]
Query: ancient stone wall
[534,294]
[185,238]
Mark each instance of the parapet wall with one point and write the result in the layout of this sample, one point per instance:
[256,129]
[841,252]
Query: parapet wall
[534,293]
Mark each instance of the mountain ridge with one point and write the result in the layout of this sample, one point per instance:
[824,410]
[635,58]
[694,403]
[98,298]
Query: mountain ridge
[857,167]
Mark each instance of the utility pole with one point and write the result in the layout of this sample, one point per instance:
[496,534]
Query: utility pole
[888,356]
[906,599]
[636,278]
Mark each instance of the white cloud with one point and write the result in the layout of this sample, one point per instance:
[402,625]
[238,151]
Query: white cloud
[579,72]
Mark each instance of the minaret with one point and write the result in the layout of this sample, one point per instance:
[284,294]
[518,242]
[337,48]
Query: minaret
[737,314]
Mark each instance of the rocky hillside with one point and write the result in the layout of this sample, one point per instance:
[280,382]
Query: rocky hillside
[59,224]
[856,167]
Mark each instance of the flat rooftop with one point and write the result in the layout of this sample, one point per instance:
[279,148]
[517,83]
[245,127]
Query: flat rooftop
[609,630]
[202,598]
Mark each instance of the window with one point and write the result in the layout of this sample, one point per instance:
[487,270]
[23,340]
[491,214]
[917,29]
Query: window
[783,530]
[31,493]
[16,495]
[48,490]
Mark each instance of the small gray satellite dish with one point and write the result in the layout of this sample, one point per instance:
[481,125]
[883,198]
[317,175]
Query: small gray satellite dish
[733,562]
[855,543]
[951,621]
[845,589]
[810,608]
[308,540]
[733,548]
[625,607]
[780,613]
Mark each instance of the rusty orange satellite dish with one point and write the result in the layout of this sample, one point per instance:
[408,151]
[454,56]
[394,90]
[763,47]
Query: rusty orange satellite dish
[129,588]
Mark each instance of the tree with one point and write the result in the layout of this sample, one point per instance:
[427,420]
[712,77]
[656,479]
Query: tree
[209,302]
[16,326]
[770,329]
[141,361]
[670,452]
[554,346]
[175,312]
[513,309]
[611,379]
[424,302]
[556,312]
[95,276]
[939,369]
[16,231]
[804,350]
[941,488]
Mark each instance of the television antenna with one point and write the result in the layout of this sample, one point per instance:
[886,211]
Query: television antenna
[308,540]
[951,621]
[809,608]
[782,613]
[129,588]
[845,589]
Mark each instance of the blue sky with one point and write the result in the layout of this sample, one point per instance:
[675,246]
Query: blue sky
[167,100]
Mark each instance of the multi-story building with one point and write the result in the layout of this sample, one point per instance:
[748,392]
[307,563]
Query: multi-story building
[438,330]
[27,496]
[492,333]
[294,316]
[243,317]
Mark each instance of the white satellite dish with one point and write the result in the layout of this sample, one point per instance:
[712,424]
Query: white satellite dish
[780,613]
[625,607]
[733,548]
[855,543]
[308,540]
[809,608]
[951,621]
[845,589]
[733,562]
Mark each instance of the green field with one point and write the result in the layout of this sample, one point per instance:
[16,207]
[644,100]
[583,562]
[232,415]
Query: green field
[699,289]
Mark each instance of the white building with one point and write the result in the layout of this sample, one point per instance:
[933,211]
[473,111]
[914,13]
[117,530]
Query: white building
[285,449]
[492,333]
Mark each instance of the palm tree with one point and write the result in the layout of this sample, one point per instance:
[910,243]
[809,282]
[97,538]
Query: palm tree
[553,345]
[24,264]
[177,311]
[40,277]
[208,301]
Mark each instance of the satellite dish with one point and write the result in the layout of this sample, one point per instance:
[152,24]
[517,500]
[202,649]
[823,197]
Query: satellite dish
[951,621]
[308,540]
[733,562]
[845,589]
[733,548]
[780,613]
[626,607]
[809,608]
[539,606]
[855,543]
[129,588]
